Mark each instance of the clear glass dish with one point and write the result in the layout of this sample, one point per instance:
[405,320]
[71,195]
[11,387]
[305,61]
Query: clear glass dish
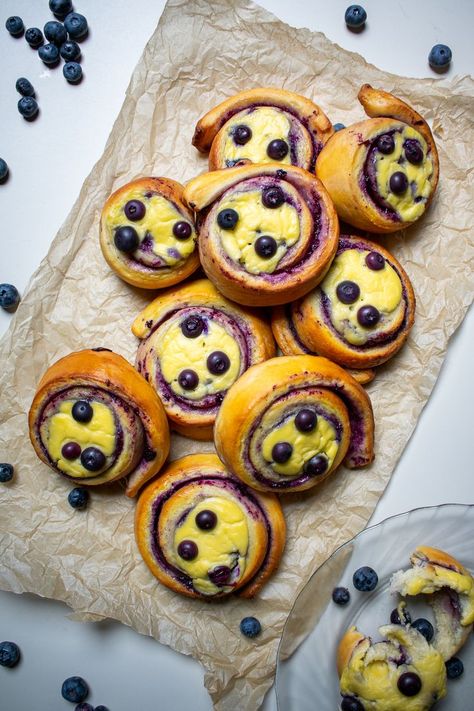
[306,678]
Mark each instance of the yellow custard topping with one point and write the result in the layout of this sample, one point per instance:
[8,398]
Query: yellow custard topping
[63,428]
[380,288]
[256,220]
[267,124]
[176,353]
[387,165]
[321,440]
[158,222]
[226,544]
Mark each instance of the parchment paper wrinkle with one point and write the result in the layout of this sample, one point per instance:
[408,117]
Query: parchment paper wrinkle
[90,560]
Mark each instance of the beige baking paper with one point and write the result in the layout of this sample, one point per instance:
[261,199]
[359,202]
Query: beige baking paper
[201,53]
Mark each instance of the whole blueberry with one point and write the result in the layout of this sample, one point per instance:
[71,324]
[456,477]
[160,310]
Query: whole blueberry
[70,51]
[398,183]
[71,450]
[281,452]
[92,459]
[341,596]
[126,239]
[241,134]
[386,143]
[316,466]
[368,316]
[188,379]
[24,87]
[206,520]
[9,654]
[218,362]
[3,170]
[250,627]
[188,550]
[74,689]
[55,32]
[375,261]
[84,707]
[182,230]
[34,37]
[395,617]
[273,197]
[350,703]
[409,684]
[347,291]
[305,420]
[338,126]
[72,72]
[9,297]
[60,8]
[265,246]
[82,411]
[355,16]
[76,25]
[227,219]
[6,472]
[454,668]
[192,326]
[219,575]
[15,26]
[277,149]
[49,54]
[365,579]
[413,151]
[78,498]
[440,56]
[424,627]
[28,107]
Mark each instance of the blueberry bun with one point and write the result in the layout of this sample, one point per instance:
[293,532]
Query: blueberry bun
[206,535]
[381,173]
[288,423]
[94,420]
[147,233]
[361,314]
[263,126]
[267,233]
[194,345]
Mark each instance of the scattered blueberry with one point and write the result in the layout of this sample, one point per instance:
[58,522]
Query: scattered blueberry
[3,170]
[188,550]
[424,627]
[15,26]
[266,246]
[277,149]
[355,17]
[365,579]
[34,37]
[24,87]
[454,668]
[227,219]
[395,617]
[440,56]
[55,32]
[341,596]
[350,703]
[242,134]
[28,107]
[70,51]
[9,297]
[409,684]
[82,411]
[60,8]
[6,472]
[338,126]
[49,54]
[78,497]
[126,239]
[92,459]
[84,707]
[72,72]
[9,654]
[74,689]
[250,627]
[76,25]
[206,520]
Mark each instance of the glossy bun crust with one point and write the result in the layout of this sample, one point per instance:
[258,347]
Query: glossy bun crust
[356,174]
[235,549]
[136,440]
[161,259]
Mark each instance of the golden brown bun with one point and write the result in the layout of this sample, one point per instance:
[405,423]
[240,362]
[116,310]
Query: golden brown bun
[346,647]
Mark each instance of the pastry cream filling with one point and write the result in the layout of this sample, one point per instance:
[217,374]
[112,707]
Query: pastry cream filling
[158,222]
[321,440]
[100,432]
[267,124]
[256,220]
[176,353]
[382,289]
[418,176]
[226,544]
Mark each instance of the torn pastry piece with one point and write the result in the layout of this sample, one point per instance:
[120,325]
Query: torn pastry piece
[401,673]
[204,534]
[94,420]
[147,233]
[381,173]
[263,125]
[194,345]
[449,589]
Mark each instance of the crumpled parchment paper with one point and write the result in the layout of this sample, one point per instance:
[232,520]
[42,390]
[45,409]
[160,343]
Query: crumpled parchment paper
[201,53]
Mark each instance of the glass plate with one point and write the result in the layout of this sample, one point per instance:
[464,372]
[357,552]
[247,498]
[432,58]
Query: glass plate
[306,677]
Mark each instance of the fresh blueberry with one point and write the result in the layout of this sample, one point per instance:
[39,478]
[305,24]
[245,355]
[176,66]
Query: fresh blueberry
[355,17]
[341,596]
[182,230]
[413,151]
[84,707]
[28,107]
[305,420]
[74,689]
[265,246]
[386,143]
[72,72]
[227,219]
[242,134]
[71,450]
[70,51]
[375,261]
[277,149]
[3,170]
[55,32]
[218,362]
[219,575]
[424,627]
[316,466]
[188,379]
[9,297]
[409,684]
[338,126]
[281,452]
[368,316]
[454,668]
[347,291]
[192,326]
[365,579]
[24,87]
[398,183]
[395,617]
[15,26]
[350,703]
[92,459]
[126,239]
[82,411]
[49,54]
[273,197]
[60,8]
[440,56]
[76,25]
[250,627]
[78,497]
[188,550]
[34,37]
[206,520]
[6,472]
[9,654]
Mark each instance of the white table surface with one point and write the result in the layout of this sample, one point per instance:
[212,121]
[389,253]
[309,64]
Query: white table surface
[49,160]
